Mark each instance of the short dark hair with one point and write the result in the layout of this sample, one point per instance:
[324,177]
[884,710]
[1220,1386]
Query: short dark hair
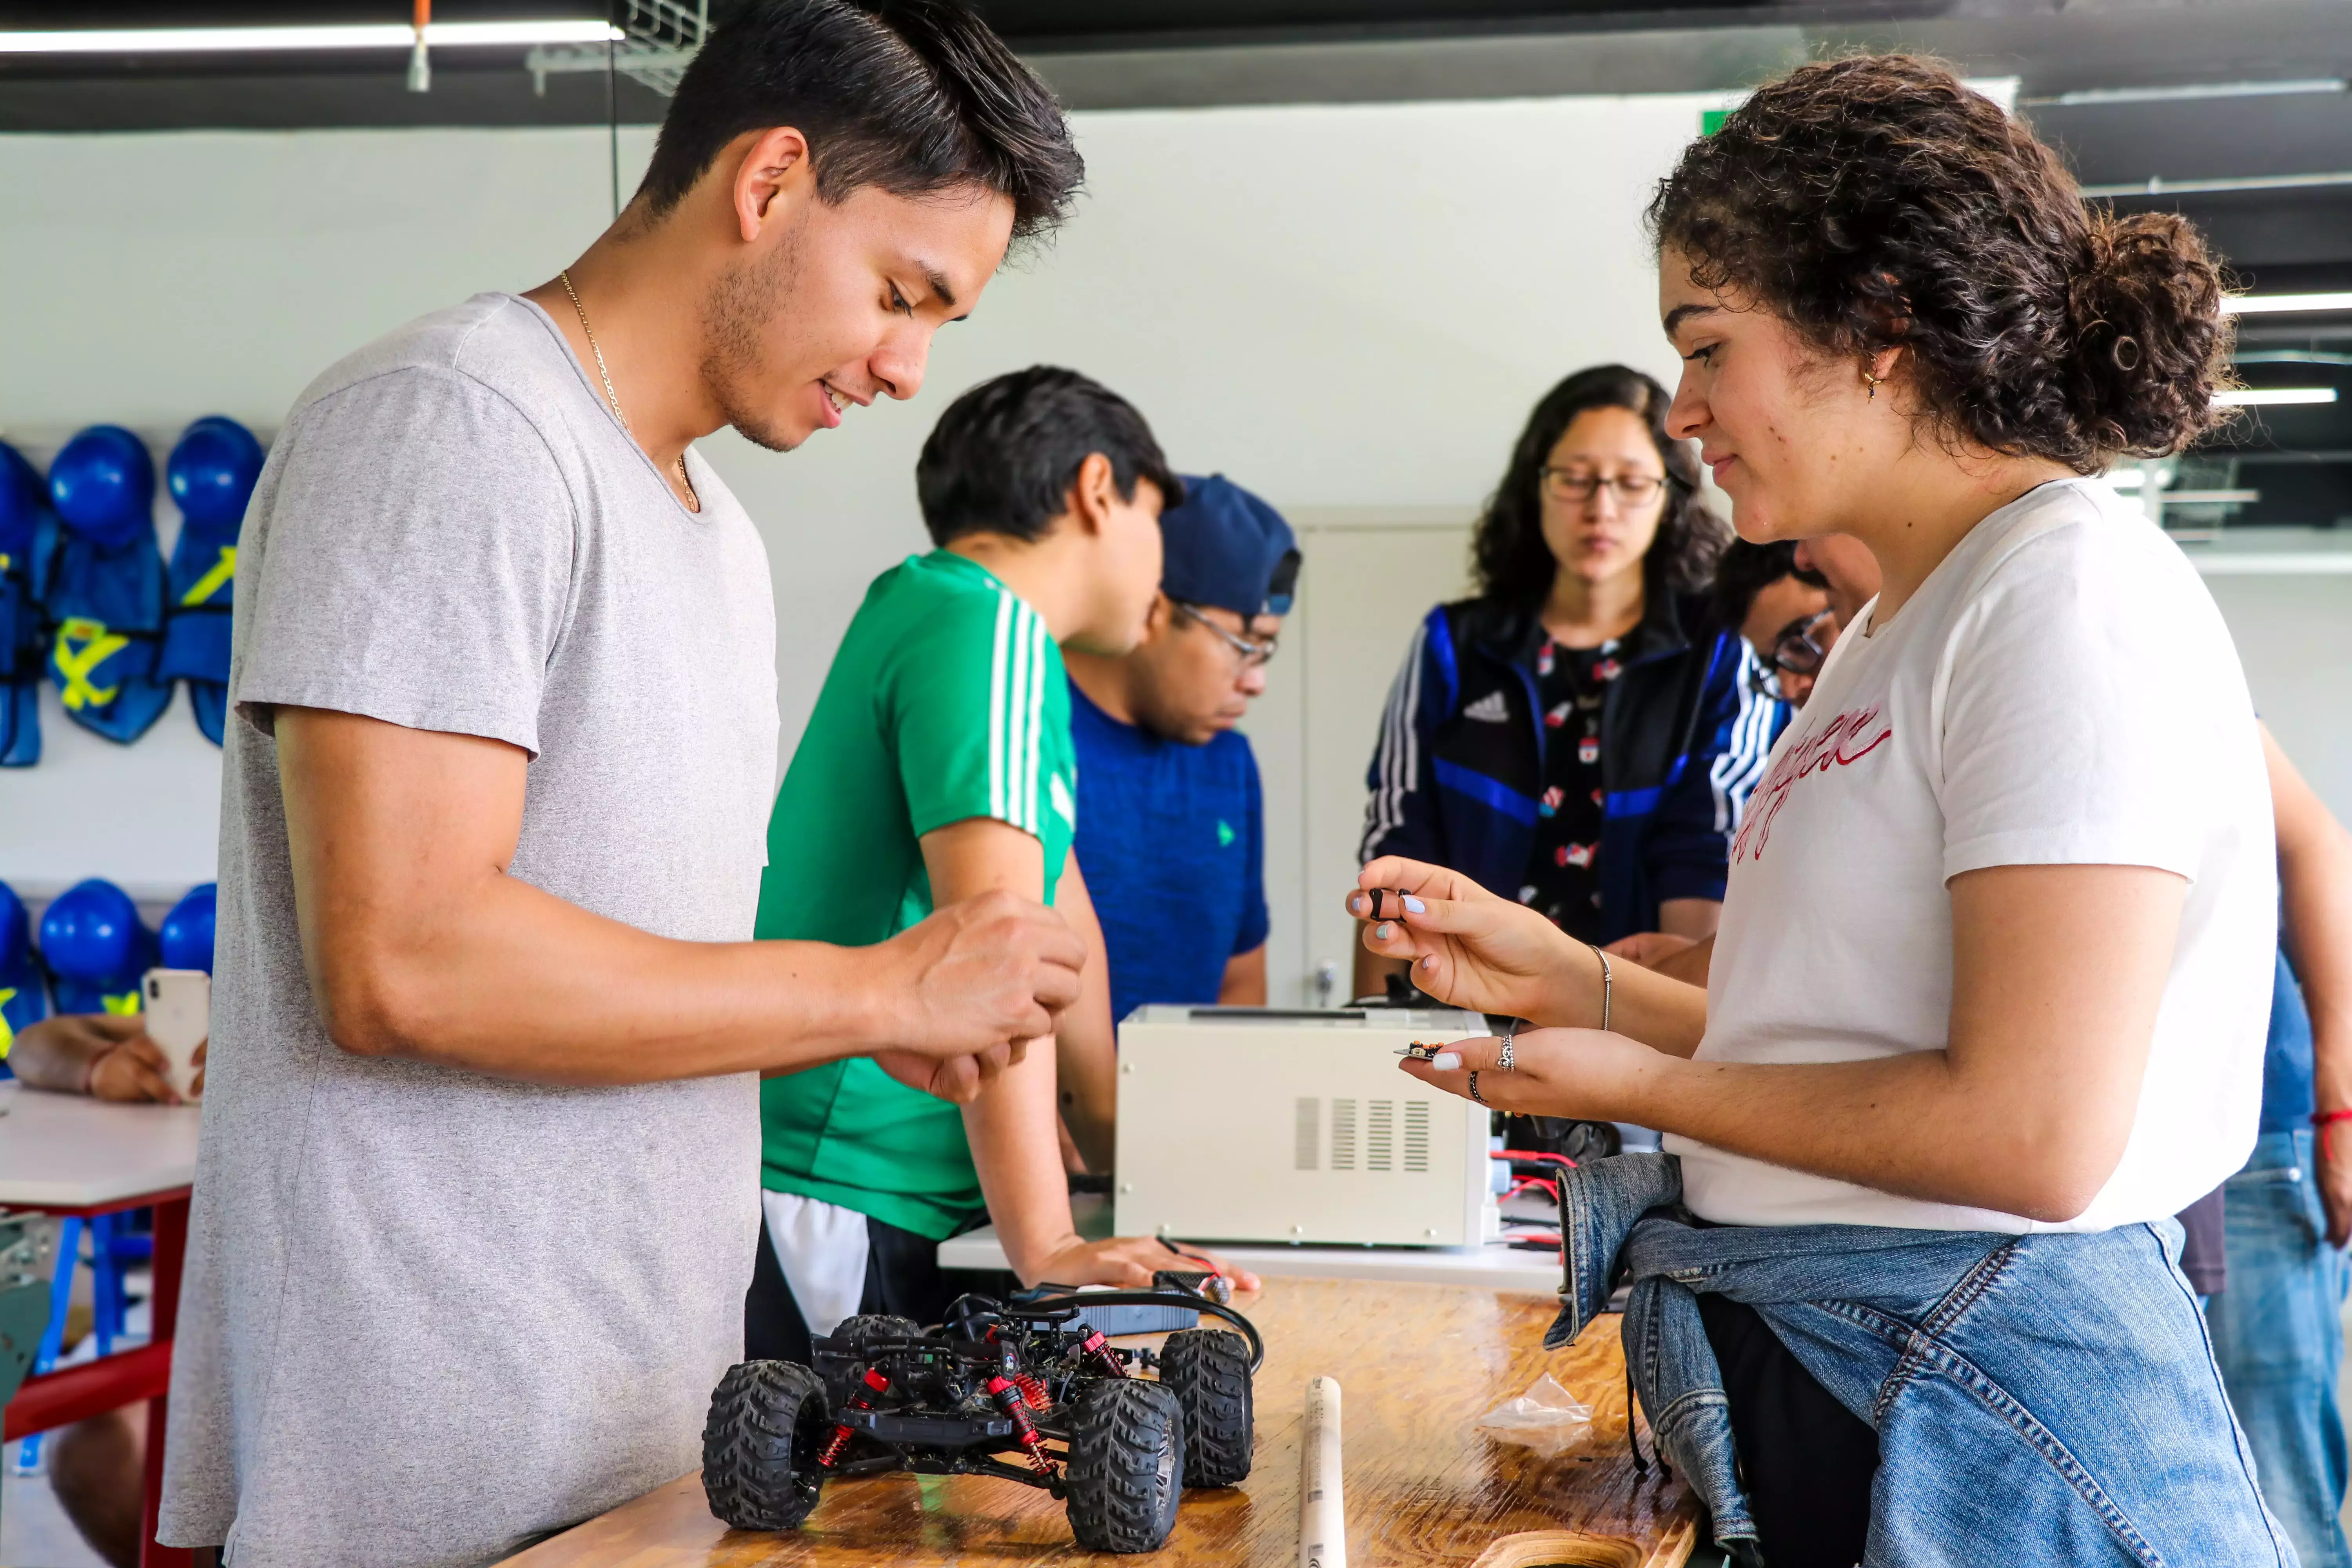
[1746,570]
[1515,566]
[1003,458]
[913,96]
[1876,202]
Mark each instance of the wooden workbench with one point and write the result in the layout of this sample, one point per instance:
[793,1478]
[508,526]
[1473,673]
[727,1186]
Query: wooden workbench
[1417,1365]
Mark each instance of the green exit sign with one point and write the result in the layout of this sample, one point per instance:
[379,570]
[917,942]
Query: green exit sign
[1711,121]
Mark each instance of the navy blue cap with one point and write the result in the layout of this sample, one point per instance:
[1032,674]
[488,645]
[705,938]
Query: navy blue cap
[1226,547]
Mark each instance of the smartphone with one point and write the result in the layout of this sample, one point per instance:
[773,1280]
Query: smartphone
[179,1008]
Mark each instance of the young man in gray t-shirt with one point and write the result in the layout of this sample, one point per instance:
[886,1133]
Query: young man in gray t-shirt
[479,1194]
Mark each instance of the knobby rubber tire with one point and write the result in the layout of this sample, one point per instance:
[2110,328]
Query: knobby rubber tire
[769,1422]
[840,1389]
[1126,1465]
[1209,1370]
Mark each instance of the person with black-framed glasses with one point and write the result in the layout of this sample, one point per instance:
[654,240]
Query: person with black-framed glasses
[1578,736]
[1783,613]
[1175,815]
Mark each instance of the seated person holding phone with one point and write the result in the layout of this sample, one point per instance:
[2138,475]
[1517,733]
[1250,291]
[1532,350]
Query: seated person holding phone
[937,766]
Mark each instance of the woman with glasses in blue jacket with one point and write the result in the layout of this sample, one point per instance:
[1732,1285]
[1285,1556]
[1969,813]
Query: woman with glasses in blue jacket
[1579,736]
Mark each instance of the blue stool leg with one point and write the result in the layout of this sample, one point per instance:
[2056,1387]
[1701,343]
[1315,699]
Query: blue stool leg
[45,1358]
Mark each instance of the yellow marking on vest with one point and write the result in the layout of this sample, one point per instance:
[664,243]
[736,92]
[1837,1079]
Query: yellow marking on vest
[212,582]
[7,1032]
[123,1007]
[98,645]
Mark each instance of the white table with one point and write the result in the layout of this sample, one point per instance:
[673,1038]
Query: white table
[69,1155]
[66,1151]
[1496,1267]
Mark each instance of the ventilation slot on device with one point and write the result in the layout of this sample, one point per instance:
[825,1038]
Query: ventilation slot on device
[1380,1135]
[1343,1134]
[1307,1123]
[1416,1135]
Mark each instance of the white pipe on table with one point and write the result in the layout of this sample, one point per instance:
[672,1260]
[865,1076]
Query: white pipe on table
[1322,1516]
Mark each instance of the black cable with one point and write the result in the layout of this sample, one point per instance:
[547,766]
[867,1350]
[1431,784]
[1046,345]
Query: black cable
[1163,1299]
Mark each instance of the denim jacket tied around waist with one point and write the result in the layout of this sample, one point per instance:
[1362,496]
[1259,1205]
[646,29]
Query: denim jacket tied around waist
[2046,1398]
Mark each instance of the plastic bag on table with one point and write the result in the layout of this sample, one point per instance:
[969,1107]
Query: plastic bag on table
[1545,1418]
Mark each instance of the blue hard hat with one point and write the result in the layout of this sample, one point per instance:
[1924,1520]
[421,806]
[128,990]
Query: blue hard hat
[20,501]
[188,930]
[90,933]
[104,484]
[1224,546]
[212,471]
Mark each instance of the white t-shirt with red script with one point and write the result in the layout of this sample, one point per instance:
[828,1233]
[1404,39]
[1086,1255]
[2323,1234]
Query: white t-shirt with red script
[2061,690]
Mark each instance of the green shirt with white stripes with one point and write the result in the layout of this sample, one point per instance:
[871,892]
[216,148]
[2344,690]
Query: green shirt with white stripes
[946,701]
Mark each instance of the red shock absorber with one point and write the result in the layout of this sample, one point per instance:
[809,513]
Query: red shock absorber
[1034,1392]
[1007,1395]
[1097,1350]
[876,1384]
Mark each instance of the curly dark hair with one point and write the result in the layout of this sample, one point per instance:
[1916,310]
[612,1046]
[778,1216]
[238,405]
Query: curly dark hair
[1515,565]
[1877,203]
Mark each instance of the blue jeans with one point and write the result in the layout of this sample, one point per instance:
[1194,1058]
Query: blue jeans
[2279,1337]
[2045,1399]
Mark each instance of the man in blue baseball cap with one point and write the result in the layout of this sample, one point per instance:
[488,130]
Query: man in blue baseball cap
[1172,815]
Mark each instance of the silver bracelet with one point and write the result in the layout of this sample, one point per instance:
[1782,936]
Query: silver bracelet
[1607,985]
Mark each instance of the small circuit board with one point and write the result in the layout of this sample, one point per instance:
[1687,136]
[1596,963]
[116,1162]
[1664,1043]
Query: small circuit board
[1420,1052]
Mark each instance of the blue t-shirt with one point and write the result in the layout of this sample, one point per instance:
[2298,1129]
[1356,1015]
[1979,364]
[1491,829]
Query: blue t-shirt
[2287,1099]
[1171,842]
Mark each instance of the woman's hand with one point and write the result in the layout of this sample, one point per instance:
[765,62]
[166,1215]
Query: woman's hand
[1470,949]
[1585,1075]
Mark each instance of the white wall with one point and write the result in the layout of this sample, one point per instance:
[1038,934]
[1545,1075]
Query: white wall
[1342,307]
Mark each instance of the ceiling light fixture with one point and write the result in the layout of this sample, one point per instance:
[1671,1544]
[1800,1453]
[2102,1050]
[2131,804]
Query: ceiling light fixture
[272,40]
[2272,304]
[2090,96]
[2273,396]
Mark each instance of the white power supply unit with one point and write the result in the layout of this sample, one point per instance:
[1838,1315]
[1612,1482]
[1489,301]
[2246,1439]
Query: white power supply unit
[1259,1124]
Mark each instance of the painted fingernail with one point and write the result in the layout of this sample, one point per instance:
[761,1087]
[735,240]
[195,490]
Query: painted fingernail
[1447,1061]
[1414,906]
[1384,930]
[1355,903]
[1429,961]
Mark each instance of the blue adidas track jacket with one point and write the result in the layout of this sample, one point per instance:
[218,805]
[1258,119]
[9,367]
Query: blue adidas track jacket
[1460,765]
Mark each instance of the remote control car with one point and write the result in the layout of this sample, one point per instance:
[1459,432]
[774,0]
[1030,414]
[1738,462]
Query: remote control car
[1024,1390]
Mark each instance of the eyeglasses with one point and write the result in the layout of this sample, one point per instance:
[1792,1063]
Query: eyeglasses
[1253,655]
[1631,490]
[1796,651]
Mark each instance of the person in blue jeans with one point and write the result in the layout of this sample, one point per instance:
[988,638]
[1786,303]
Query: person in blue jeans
[2277,1330]
[1988,1002]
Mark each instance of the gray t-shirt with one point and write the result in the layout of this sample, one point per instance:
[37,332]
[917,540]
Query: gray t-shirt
[429,1313]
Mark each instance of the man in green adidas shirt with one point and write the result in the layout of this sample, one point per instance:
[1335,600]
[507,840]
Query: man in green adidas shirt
[938,765]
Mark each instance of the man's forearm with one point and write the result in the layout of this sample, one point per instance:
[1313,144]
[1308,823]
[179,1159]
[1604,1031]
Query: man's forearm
[514,981]
[1018,1157]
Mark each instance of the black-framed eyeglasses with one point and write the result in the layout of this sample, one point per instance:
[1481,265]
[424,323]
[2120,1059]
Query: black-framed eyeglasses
[1253,655]
[1631,490]
[1796,651]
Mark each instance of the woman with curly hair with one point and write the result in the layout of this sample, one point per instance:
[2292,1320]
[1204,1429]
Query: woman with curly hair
[1990,994]
[1571,737]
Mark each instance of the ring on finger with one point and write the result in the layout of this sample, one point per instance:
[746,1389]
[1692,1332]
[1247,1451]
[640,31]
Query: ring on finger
[1504,1060]
[1473,1089]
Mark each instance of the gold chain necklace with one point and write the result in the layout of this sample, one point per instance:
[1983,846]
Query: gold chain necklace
[611,398]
